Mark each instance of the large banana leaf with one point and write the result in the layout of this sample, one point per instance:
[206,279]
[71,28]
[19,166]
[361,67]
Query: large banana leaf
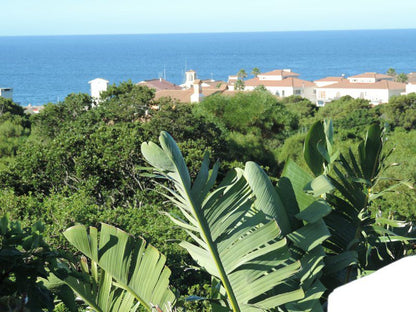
[244,250]
[123,272]
[301,222]
[96,290]
[314,139]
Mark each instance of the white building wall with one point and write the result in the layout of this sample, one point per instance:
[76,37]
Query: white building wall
[362,80]
[375,96]
[395,93]
[267,77]
[279,91]
[196,96]
[190,77]
[97,86]
[309,93]
[324,83]
[306,92]
[410,88]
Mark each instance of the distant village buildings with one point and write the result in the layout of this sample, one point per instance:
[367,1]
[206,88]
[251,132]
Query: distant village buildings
[282,83]
[375,87]
[193,90]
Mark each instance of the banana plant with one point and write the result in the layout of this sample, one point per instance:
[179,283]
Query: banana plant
[361,239]
[124,273]
[300,216]
[238,245]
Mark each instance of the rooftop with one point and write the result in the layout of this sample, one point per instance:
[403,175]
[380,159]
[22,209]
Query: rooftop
[287,82]
[280,72]
[98,79]
[331,79]
[183,96]
[372,75]
[382,84]
[159,84]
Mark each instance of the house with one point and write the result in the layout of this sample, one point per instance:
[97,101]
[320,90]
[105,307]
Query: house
[231,82]
[97,86]
[374,87]
[189,95]
[277,74]
[411,77]
[6,93]
[159,84]
[369,78]
[328,81]
[410,88]
[283,83]
[193,90]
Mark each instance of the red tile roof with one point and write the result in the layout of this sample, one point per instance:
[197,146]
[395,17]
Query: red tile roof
[159,84]
[287,82]
[331,79]
[382,84]
[372,75]
[215,84]
[183,96]
[411,77]
[279,72]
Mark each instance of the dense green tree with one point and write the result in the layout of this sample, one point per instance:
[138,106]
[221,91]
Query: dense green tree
[8,106]
[400,111]
[53,117]
[350,116]
[254,123]
[125,102]
[24,258]
[301,107]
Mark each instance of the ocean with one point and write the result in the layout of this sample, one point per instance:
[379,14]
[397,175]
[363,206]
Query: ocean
[43,69]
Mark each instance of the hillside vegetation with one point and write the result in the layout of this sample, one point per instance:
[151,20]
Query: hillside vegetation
[77,163]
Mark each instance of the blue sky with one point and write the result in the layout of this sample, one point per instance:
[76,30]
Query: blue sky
[62,17]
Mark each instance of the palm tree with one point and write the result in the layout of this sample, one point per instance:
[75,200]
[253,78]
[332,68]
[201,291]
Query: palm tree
[255,72]
[402,77]
[391,72]
[242,74]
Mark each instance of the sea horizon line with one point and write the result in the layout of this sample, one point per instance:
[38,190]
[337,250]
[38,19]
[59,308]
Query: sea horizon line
[208,32]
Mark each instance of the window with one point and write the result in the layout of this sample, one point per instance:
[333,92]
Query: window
[283,93]
[297,92]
